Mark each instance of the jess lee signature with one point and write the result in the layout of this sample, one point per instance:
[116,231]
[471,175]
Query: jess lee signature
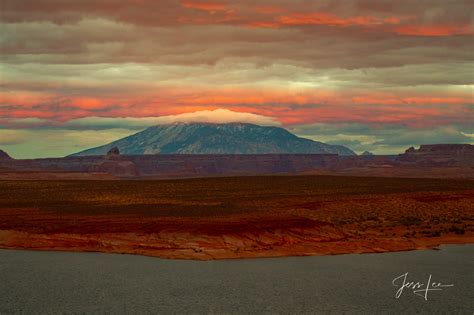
[418,288]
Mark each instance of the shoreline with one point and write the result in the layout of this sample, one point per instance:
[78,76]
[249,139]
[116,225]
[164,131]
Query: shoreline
[124,244]
[220,218]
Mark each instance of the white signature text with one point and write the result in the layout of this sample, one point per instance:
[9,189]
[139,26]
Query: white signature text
[418,288]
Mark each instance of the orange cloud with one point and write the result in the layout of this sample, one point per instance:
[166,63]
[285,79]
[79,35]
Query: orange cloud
[26,99]
[322,18]
[204,6]
[263,24]
[87,103]
[435,30]
[288,106]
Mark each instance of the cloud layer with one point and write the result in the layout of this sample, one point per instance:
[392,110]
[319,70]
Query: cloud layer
[365,62]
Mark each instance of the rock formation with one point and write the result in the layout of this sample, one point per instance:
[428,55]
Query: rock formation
[115,164]
[439,155]
[114,152]
[427,161]
[4,156]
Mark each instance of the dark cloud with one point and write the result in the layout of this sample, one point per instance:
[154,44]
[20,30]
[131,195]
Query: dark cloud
[117,32]
[166,11]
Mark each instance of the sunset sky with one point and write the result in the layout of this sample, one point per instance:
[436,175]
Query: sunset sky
[371,75]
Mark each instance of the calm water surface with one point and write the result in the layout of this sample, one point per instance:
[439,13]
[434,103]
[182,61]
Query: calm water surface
[58,282]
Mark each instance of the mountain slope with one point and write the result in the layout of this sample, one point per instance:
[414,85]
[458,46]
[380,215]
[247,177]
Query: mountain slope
[208,138]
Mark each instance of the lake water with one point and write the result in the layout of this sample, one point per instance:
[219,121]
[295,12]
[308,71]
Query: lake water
[59,282]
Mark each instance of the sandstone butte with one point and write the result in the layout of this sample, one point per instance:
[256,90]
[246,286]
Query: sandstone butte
[436,161]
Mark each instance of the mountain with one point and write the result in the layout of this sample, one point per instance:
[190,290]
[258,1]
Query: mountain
[367,153]
[4,155]
[209,138]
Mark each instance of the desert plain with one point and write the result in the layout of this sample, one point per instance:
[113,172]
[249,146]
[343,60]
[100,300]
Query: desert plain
[237,217]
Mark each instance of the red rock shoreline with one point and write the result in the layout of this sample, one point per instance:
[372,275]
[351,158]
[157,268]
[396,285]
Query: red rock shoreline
[223,218]
[141,245]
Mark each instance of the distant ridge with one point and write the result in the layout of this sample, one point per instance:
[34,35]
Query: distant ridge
[210,138]
[4,156]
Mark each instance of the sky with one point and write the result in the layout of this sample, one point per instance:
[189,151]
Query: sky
[373,75]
